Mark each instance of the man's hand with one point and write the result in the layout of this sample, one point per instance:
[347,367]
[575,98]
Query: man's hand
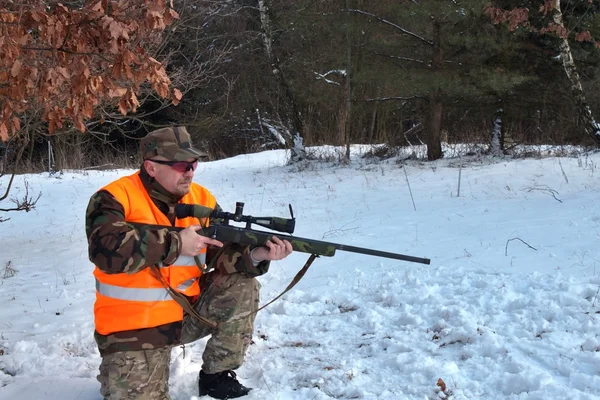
[192,243]
[276,249]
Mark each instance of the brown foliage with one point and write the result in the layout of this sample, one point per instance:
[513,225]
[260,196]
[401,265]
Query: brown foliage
[515,17]
[558,30]
[520,17]
[68,61]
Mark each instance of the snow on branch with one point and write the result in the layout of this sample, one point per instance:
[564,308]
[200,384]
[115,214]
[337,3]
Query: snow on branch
[339,72]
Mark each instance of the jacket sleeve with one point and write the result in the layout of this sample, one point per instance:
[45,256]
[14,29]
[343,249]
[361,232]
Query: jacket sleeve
[115,246]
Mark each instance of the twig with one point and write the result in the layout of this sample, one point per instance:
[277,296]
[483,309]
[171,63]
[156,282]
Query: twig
[522,241]
[563,171]
[8,188]
[27,203]
[544,188]
[409,190]
[459,174]
[101,167]
[9,270]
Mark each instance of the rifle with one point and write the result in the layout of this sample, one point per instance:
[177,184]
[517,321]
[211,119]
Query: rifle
[221,230]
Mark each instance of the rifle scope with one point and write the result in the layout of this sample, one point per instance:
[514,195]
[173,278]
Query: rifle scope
[286,225]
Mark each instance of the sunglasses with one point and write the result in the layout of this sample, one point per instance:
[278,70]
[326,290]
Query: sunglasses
[179,166]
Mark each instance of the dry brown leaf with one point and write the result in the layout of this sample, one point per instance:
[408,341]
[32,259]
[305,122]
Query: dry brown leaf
[3,132]
[441,384]
[16,68]
[176,97]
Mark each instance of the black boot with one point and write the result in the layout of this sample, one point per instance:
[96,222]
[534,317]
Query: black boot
[222,385]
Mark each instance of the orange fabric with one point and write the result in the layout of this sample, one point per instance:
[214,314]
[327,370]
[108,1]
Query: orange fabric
[115,315]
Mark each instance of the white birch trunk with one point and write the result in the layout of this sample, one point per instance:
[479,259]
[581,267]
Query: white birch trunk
[496,136]
[590,127]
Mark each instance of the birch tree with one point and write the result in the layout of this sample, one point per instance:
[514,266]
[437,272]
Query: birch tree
[554,24]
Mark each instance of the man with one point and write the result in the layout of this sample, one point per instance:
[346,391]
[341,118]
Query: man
[142,267]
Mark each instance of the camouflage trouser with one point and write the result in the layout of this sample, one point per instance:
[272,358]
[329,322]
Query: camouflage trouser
[229,300]
[142,374]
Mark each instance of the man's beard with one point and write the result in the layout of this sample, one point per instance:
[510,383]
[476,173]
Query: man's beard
[180,186]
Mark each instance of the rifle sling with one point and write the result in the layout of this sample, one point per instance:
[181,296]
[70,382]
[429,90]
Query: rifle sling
[294,281]
[185,304]
[181,299]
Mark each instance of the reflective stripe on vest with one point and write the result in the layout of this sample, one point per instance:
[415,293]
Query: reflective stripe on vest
[138,294]
[183,261]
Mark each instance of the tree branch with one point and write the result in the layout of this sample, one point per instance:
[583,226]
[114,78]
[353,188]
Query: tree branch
[401,58]
[397,98]
[8,188]
[385,21]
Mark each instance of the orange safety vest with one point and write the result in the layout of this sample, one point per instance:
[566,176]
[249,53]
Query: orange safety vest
[136,301]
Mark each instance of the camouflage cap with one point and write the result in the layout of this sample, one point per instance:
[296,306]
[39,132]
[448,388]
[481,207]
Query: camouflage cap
[173,143]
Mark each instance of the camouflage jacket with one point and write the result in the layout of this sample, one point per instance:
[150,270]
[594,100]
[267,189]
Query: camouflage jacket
[113,249]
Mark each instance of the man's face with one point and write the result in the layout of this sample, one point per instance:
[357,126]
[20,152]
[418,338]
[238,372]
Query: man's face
[175,178]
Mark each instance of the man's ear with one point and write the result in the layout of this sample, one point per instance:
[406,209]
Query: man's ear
[150,168]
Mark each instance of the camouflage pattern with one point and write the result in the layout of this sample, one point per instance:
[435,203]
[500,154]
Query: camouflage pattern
[116,246]
[151,338]
[235,257]
[251,237]
[173,143]
[231,300]
[136,375]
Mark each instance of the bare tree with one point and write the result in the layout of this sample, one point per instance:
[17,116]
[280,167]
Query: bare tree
[294,141]
[26,203]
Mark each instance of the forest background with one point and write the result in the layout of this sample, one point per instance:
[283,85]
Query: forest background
[249,75]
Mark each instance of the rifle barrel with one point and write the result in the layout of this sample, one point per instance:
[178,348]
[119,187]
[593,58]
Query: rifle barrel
[379,253]
[305,244]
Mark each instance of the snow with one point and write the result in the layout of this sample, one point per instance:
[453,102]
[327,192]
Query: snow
[509,307]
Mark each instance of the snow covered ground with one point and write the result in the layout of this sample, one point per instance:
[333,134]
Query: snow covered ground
[508,309]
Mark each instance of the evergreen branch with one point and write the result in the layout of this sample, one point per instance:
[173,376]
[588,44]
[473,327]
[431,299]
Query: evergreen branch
[385,21]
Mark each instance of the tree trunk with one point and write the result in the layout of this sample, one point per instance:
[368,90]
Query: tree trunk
[348,88]
[590,126]
[372,124]
[294,141]
[497,142]
[434,144]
